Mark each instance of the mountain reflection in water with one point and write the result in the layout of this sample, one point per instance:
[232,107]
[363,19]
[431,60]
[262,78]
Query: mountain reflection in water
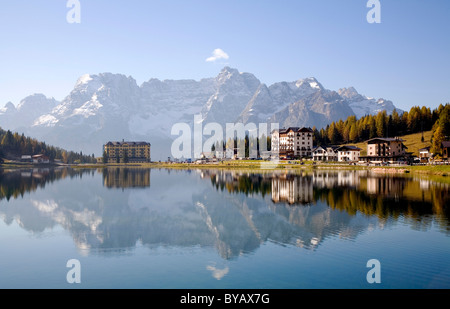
[234,211]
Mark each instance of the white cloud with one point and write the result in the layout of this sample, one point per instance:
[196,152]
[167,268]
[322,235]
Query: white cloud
[217,54]
[218,273]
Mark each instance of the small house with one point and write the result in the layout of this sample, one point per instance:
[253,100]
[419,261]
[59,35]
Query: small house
[41,159]
[348,153]
[26,159]
[325,153]
[425,155]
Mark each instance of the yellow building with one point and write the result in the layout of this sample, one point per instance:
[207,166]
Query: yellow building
[127,152]
[126,177]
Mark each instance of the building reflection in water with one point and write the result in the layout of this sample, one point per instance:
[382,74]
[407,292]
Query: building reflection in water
[385,186]
[352,191]
[292,189]
[126,178]
[236,212]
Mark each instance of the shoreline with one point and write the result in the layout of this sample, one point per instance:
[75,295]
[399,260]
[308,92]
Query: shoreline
[434,170]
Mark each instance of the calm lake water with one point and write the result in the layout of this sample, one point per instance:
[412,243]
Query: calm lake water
[178,229]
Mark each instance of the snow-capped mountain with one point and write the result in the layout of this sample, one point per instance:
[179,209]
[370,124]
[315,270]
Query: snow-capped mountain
[7,115]
[108,106]
[317,109]
[268,101]
[26,112]
[362,105]
[232,93]
[163,103]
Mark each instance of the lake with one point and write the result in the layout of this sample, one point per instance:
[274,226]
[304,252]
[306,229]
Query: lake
[217,229]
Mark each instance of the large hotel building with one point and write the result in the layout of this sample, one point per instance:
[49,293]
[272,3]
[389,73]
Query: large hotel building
[131,152]
[293,142]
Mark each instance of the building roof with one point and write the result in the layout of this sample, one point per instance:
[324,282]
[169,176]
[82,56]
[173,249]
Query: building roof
[127,143]
[280,131]
[425,149]
[348,148]
[294,129]
[306,130]
[326,147]
[40,156]
[446,144]
[317,147]
[334,147]
[385,139]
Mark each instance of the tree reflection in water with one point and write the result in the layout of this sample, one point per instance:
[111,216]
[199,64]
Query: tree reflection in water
[234,211]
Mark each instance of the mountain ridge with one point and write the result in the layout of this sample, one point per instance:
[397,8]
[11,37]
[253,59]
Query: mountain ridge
[109,106]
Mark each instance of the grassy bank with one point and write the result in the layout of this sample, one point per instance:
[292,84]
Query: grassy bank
[437,170]
[440,170]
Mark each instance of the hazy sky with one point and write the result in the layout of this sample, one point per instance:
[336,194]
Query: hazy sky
[405,59]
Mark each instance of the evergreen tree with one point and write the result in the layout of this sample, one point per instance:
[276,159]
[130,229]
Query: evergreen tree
[105,157]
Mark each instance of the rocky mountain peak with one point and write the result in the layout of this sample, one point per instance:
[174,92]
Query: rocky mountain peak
[350,94]
[109,106]
[309,82]
[37,101]
[9,107]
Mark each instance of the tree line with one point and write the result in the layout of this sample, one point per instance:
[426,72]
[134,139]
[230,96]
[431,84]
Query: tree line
[13,184]
[416,120]
[353,130]
[15,145]
[249,143]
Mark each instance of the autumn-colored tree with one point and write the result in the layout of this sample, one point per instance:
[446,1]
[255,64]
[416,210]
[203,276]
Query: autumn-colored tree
[441,130]
[353,134]
[64,157]
[381,122]
[333,134]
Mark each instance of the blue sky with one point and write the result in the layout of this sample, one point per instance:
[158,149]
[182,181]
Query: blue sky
[405,59]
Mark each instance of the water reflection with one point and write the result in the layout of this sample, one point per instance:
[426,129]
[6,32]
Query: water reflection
[126,177]
[106,210]
[385,196]
[292,189]
[15,183]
